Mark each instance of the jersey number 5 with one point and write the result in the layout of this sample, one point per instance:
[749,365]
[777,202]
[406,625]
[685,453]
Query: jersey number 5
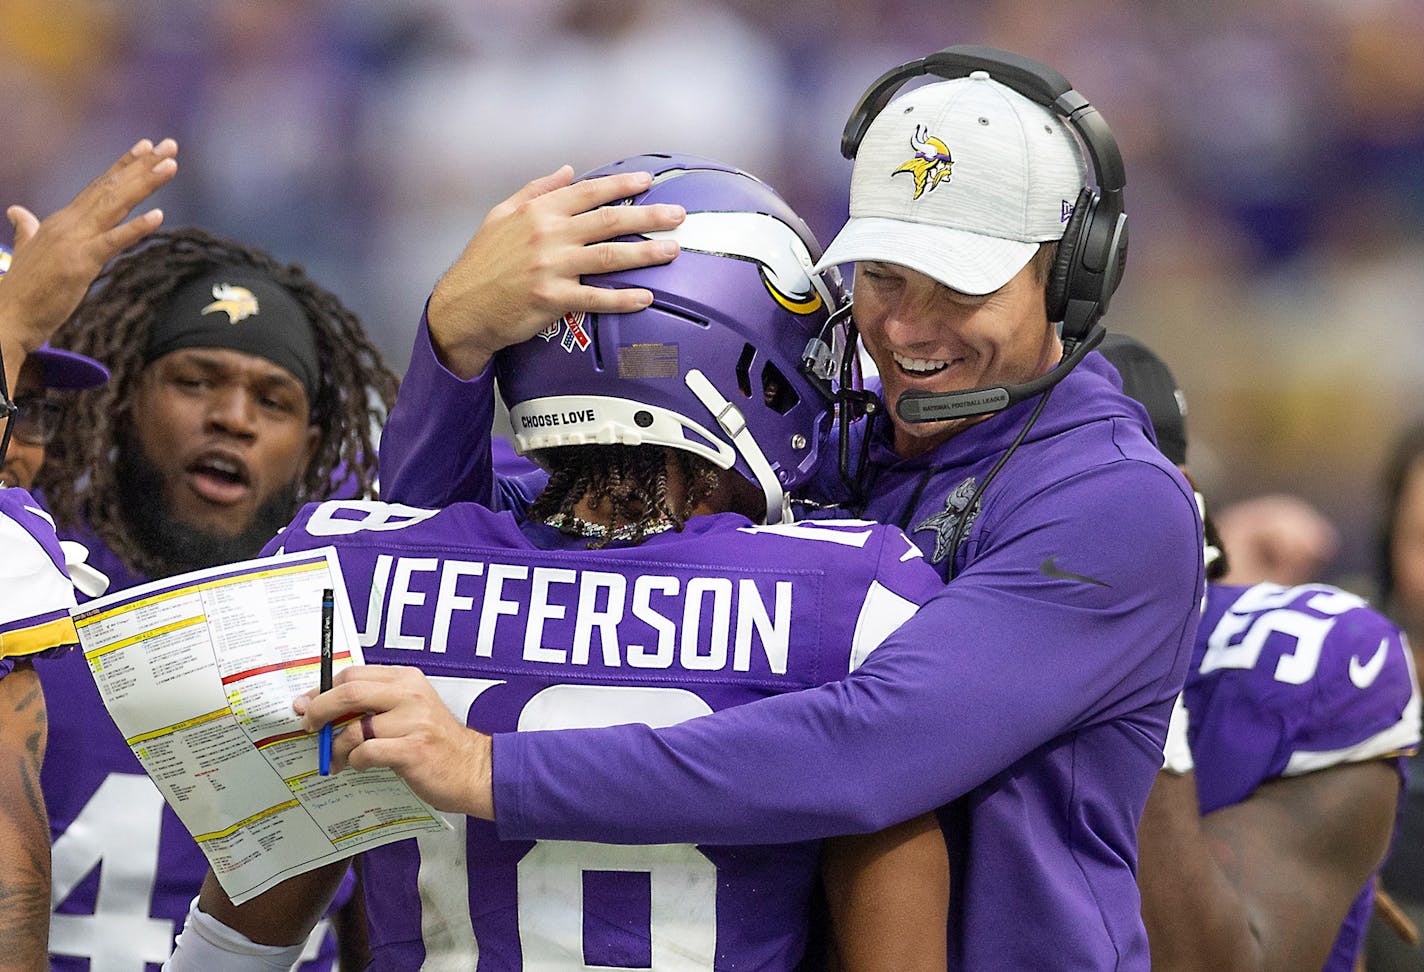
[1262,611]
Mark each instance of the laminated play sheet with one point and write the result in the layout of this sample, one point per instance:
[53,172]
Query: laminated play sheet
[199,671]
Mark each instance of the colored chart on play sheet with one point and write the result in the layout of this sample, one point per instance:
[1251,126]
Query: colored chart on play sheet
[198,672]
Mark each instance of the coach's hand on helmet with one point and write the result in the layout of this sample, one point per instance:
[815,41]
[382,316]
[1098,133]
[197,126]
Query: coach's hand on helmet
[523,267]
[406,727]
[56,260]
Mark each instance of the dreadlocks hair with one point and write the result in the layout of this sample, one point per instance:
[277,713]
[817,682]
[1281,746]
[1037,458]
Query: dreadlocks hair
[355,393]
[631,480]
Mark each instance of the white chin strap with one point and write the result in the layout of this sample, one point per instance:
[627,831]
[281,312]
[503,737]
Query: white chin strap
[731,421]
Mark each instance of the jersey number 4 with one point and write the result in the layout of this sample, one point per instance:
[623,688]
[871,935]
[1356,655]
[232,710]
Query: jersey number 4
[118,832]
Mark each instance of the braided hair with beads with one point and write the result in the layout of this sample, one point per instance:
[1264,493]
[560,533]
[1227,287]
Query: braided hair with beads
[354,392]
[629,483]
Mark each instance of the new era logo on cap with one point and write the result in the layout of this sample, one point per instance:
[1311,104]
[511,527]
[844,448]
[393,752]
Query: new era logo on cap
[988,175]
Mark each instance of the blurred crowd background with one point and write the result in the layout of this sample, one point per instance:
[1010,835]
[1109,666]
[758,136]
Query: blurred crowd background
[1274,151]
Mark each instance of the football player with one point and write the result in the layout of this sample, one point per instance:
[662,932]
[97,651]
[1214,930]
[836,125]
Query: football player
[240,388]
[655,579]
[54,263]
[1262,837]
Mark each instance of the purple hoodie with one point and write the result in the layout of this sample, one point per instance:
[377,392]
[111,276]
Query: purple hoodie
[1028,700]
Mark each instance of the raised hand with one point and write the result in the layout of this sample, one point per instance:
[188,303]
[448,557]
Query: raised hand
[522,268]
[57,259]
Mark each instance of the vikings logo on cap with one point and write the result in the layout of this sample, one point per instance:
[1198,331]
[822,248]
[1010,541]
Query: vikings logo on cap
[238,303]
[575,334]
[931,165]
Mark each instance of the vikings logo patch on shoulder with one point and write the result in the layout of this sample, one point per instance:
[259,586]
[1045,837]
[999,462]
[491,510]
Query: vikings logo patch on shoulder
[575,335]
[238,303]
[931,164]
[943,524]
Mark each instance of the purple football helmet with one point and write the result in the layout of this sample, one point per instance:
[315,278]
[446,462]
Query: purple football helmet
[714,365]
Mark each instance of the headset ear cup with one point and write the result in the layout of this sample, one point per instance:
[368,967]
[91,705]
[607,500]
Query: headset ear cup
[1070,248]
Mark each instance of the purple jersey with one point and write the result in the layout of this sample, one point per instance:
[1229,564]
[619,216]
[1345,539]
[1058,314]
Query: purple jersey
[35,593]
[1029,698]
[522,628]
[1286,681]
[123,865]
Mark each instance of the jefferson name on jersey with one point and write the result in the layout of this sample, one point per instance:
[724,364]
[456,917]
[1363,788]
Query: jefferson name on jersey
[570,616]
[465,587]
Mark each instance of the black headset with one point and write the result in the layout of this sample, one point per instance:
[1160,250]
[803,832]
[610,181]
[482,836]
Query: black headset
[1093,250]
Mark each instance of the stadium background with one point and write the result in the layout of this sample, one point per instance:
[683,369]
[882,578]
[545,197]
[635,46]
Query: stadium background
[1274,150]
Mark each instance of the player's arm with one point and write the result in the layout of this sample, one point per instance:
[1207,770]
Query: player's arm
[56,260]
[521,270]
[888,897]
[24,828]
[1263,884]
[265,933]
[850,755]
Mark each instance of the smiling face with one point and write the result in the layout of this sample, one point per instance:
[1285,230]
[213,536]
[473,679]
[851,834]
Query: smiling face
[226,431]
[925,337]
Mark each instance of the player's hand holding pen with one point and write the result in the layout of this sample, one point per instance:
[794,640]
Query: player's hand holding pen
[407,727]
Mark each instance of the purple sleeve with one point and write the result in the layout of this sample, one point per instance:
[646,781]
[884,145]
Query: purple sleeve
[435,448]
[1003,661]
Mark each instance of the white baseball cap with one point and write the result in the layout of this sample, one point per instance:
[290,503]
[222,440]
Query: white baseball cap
[960,180]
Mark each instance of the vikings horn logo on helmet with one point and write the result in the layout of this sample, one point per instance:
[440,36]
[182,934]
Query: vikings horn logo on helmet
[931,165]
[238,303]
[762,239]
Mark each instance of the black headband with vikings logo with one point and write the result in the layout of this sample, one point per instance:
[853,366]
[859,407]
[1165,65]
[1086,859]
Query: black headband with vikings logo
[240,309]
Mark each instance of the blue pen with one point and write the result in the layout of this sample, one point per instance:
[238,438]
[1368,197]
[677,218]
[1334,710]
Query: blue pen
[324,738]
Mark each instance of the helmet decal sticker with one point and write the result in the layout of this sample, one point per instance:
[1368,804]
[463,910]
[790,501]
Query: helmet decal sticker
[758,238]
[648,359]
[575,335]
